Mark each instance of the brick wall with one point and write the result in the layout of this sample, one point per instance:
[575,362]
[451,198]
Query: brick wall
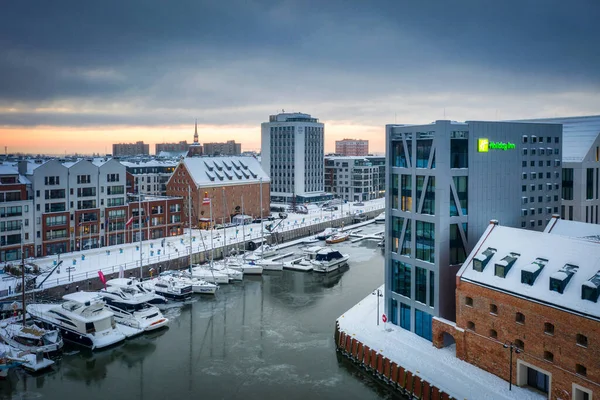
[489,353]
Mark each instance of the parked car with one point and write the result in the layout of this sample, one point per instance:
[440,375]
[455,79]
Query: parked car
[330,208]
[359,203]
[283,215]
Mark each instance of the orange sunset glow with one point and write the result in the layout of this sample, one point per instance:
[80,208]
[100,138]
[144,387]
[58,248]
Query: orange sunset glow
[99,139]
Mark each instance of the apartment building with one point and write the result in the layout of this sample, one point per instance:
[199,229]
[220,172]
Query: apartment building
[149,177]
[446,181]
[229,148]
[352,147]
[16,214]
[182,146]
[351,178]
[130,149]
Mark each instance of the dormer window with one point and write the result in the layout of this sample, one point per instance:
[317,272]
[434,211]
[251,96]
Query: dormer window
[503,266]
[482,259]
[590,289]
[530,272]
[560,279]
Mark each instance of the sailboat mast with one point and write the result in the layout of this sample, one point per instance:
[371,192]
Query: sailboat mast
[212,225]
[224,224]
[190,222]
[243,229]
[262,231]
[22,275]
[140,223]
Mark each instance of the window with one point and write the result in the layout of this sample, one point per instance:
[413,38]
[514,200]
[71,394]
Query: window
[469,301]
[548,356]
[471,325]
[520,345]
[401,278]
[582,340]
[493,334]
[421,285]
[520,318]
[580,369]
[549,328]
[494,309]
[406,193]
[425,241]
[423,324]
[405,316]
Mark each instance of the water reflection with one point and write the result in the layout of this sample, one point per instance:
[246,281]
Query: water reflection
[264,337]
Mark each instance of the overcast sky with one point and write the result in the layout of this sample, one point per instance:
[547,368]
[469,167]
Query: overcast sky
[145,69]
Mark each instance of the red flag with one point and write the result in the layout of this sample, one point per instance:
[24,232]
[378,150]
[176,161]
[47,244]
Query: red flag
[206,199]
[129,222]
[102,278]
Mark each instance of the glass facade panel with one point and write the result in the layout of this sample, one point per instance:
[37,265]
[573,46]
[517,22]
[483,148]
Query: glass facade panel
[421,285]
[425,241]
[431,289]
[406,193]
[401,278]
[457,248]
[394,311]
[395,191]
[461,183]
[459,153]
[405,316]
[398,156]
[406,244]
[423,324]
[429,200]
[423,150]
[567,183]
[589,183]
[397,223]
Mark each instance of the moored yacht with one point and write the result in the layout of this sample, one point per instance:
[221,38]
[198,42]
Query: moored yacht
[265,250]
[133,309]
[83,318]
[170,288]
[134,287]
[31,338]
[247,267]
[380,218]
[337,238]
[328,232]
[198,285]
[233,274]
[210,275]
[328,260]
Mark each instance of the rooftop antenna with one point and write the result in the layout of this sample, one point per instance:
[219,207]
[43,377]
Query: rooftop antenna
[395,118]
[444,112]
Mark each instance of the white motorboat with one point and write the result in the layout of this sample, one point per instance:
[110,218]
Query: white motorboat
[209,275]
[134,287]
[328,260]
[198,285]
[170,288]
[247,267]
[268,265]
[83,318]
[310,240]
[11,357]
[133,309]
[380,218]
[308,254]
[31,338]
[233,274]
[327,233]
[265,250]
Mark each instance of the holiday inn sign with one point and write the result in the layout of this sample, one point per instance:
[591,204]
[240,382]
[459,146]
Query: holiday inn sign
[484,145]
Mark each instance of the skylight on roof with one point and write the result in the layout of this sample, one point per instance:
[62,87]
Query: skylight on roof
[560,278]
[530,272]
[482,259]
[590,289]
[503,266]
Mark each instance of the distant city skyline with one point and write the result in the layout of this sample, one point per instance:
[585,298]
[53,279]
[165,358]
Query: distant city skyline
[73,78]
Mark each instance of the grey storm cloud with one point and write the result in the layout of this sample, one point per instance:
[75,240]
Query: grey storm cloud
[158,62]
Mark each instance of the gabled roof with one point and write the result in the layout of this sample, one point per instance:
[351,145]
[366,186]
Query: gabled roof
[218,171]
[560,251]
[574,229]
[579,133]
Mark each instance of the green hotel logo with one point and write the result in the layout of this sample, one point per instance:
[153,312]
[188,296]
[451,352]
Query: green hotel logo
[484,145]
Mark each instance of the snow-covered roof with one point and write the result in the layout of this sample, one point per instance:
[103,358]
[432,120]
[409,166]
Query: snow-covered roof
[150,163]
[8,170]
[574,229]
[579,134]
[579,259]
[232,170]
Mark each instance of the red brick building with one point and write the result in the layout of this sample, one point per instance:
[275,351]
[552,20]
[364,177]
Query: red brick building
[352,147]
[537,295]
[226,181]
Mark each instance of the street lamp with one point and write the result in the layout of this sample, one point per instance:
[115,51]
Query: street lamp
[379,294]
[517,350]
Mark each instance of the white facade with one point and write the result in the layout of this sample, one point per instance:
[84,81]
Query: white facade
[292,153]
[351,178]
[151,176]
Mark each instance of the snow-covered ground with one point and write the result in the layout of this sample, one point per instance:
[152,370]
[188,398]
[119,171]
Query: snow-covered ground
[82,265]
[438,366]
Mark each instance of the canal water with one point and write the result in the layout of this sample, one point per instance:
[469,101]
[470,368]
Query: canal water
[266,337]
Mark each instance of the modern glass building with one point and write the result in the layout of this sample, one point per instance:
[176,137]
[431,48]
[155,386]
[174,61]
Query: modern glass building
[446,181]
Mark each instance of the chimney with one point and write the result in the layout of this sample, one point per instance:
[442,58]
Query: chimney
[22,167]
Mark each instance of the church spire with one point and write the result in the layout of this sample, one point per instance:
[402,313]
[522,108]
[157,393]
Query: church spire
[196,133]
